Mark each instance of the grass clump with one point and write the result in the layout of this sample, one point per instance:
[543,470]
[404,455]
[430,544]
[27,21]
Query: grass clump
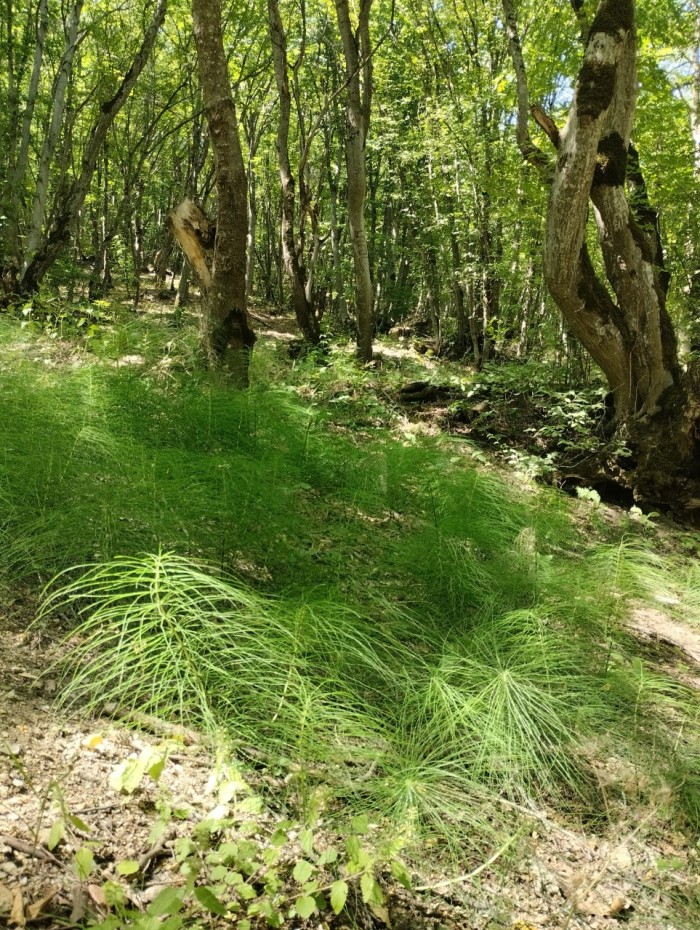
[375,612]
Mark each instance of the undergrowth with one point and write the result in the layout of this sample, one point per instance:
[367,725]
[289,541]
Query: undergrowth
[378,613]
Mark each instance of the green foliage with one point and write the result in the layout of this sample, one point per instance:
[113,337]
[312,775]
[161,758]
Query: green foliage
[377,614]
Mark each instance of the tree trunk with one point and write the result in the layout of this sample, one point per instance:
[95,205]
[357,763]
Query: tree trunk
[48,150]
[12,196]
[303,308]
[230,338]
[358,108]
[631,336]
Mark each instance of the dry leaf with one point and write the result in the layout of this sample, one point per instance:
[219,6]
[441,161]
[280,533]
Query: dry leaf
[97,894]
[17,911]
[92,741]
[381,913]
[621,858]
[35,910]
[6,900]
[619,906]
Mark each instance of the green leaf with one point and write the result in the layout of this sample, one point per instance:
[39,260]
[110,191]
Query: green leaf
[305,906]
[360,824]
[168,901]
[250,805]
[57,833]
[127,867]
[306,841]
[303,871]
[114,894]
[156,769]
[328,856]
[209,900]
[371,892]
[243,925]
[354,848]
[128,776]
[183,847]
[401,873]
[157,830]
[84,863]
[339,895]
[79,824]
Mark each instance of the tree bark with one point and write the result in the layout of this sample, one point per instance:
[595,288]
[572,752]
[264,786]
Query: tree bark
[12,197]
[48,149]
[358,109]
[629,336]
[303,308]
[230,338]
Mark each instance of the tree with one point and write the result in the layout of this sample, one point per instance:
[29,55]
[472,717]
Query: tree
[623,321]
[229,336]
[358,69]
[303,307]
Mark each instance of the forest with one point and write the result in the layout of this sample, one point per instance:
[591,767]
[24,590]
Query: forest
[350,464]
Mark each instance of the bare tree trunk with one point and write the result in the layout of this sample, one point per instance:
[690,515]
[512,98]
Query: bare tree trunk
[230,338]
[303,308]
[183,286]
[458,292]
[72,200]
[358,109]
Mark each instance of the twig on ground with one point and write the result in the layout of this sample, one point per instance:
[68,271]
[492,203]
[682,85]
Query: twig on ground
[152,724]
[155,850]
[29,849]
[469,875]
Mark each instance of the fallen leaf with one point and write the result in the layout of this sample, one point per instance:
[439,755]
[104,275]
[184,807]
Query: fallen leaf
[97,894]
[381,913]
[619,906]
[6,900]
[17,911]
[92,742]
[621,858]
[35,910]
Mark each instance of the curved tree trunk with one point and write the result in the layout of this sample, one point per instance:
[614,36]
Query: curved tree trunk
[630,336]
[230,338]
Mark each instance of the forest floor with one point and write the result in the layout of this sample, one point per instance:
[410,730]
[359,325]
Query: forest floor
[58,795]
[635,869]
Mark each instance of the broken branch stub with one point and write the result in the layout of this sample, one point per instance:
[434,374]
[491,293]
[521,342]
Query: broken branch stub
[196,235]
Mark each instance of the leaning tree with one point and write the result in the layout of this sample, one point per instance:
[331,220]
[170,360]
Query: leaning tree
[622,321]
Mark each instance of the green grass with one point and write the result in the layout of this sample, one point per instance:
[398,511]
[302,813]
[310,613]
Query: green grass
[378,611]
